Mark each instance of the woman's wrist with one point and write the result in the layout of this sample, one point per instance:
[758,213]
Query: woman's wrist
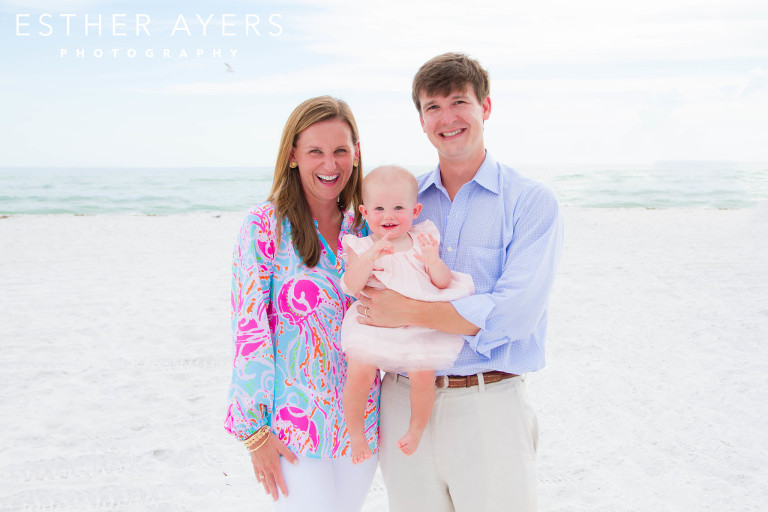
[257,439]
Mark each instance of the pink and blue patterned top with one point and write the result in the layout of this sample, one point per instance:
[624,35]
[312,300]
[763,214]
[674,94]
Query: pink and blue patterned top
[289,369]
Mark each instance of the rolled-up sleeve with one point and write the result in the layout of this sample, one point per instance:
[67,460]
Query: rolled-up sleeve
[513,310]
[475,309]
[251,391]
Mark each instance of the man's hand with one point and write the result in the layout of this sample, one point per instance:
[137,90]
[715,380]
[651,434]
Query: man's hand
[385,308]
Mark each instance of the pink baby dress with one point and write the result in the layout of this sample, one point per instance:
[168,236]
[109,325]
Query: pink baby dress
[409,348]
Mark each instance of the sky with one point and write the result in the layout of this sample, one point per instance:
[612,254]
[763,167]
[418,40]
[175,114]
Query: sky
[588,82]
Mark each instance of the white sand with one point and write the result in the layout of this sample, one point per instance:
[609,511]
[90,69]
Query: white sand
[115,365]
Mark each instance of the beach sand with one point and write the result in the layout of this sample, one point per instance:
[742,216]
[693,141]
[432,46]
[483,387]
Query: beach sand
[116,352]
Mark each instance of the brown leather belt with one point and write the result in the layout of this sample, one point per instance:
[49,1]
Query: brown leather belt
[467,381]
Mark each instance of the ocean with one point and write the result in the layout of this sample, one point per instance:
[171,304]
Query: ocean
[165,191]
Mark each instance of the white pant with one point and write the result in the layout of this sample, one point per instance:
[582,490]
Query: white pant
[326,485]
[478,452]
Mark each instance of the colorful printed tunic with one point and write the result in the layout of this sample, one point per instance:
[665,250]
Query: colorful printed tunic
[289,369]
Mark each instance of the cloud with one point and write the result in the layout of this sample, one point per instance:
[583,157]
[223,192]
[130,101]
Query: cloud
[25,6]
[587,81]
[534,32]
[757,80]
[332,77]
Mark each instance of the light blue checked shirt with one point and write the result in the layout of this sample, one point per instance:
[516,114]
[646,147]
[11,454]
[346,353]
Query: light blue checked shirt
[505,231]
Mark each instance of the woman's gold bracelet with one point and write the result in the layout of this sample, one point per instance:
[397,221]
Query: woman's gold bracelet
[257,437]
[253,449]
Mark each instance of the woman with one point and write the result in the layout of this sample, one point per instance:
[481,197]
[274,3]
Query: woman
[289,370]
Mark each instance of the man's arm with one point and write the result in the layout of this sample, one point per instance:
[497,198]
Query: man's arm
[512,309]
[386,308]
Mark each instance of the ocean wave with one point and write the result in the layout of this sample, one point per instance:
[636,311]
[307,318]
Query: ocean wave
[175,190]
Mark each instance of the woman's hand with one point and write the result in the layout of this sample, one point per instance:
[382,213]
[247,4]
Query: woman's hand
[266,465]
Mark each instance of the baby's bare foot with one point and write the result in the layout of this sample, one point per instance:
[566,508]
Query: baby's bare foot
[360,449]
[410,441]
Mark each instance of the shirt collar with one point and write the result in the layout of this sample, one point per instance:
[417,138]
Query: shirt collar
[347,219]
[487,176]
[433,178]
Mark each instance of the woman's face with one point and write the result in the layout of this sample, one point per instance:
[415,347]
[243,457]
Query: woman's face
[325,154]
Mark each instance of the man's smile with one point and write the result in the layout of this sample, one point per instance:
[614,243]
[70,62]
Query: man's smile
[451,134]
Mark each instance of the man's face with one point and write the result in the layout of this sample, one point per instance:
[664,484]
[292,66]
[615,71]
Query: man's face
[454,124]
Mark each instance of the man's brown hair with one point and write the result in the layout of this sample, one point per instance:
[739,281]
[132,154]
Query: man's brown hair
[447,73]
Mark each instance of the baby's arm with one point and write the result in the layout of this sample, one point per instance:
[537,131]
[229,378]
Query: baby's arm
[438,271]
[359,268]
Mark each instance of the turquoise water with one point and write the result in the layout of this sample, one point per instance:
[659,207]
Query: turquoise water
[179,190]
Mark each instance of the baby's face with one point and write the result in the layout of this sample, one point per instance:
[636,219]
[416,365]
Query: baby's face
[389,209]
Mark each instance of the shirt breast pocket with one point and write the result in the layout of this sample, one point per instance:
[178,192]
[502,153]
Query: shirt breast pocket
[484,264]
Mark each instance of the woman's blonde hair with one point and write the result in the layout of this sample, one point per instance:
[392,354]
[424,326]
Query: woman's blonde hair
[287,193]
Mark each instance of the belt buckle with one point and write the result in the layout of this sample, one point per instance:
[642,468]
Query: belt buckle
[442,381]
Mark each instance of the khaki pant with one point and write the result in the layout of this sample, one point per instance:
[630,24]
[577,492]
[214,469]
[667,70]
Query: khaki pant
[478,452]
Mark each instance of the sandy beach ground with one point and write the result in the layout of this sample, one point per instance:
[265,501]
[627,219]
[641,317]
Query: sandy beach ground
[115,360]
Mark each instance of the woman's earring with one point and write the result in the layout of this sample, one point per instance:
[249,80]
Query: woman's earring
[354,163]
[293,165]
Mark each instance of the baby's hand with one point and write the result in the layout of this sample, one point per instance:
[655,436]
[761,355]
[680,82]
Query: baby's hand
[429,249]
[380,248]
[345,247]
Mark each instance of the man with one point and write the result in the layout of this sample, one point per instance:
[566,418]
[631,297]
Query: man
[478,451]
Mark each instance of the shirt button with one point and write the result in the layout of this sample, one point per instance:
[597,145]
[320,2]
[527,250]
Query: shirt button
[449,249]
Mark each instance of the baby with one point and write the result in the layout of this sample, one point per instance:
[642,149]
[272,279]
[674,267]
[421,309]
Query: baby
[404,258]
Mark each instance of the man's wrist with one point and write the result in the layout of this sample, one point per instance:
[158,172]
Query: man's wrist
[441,316]
[418,313]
